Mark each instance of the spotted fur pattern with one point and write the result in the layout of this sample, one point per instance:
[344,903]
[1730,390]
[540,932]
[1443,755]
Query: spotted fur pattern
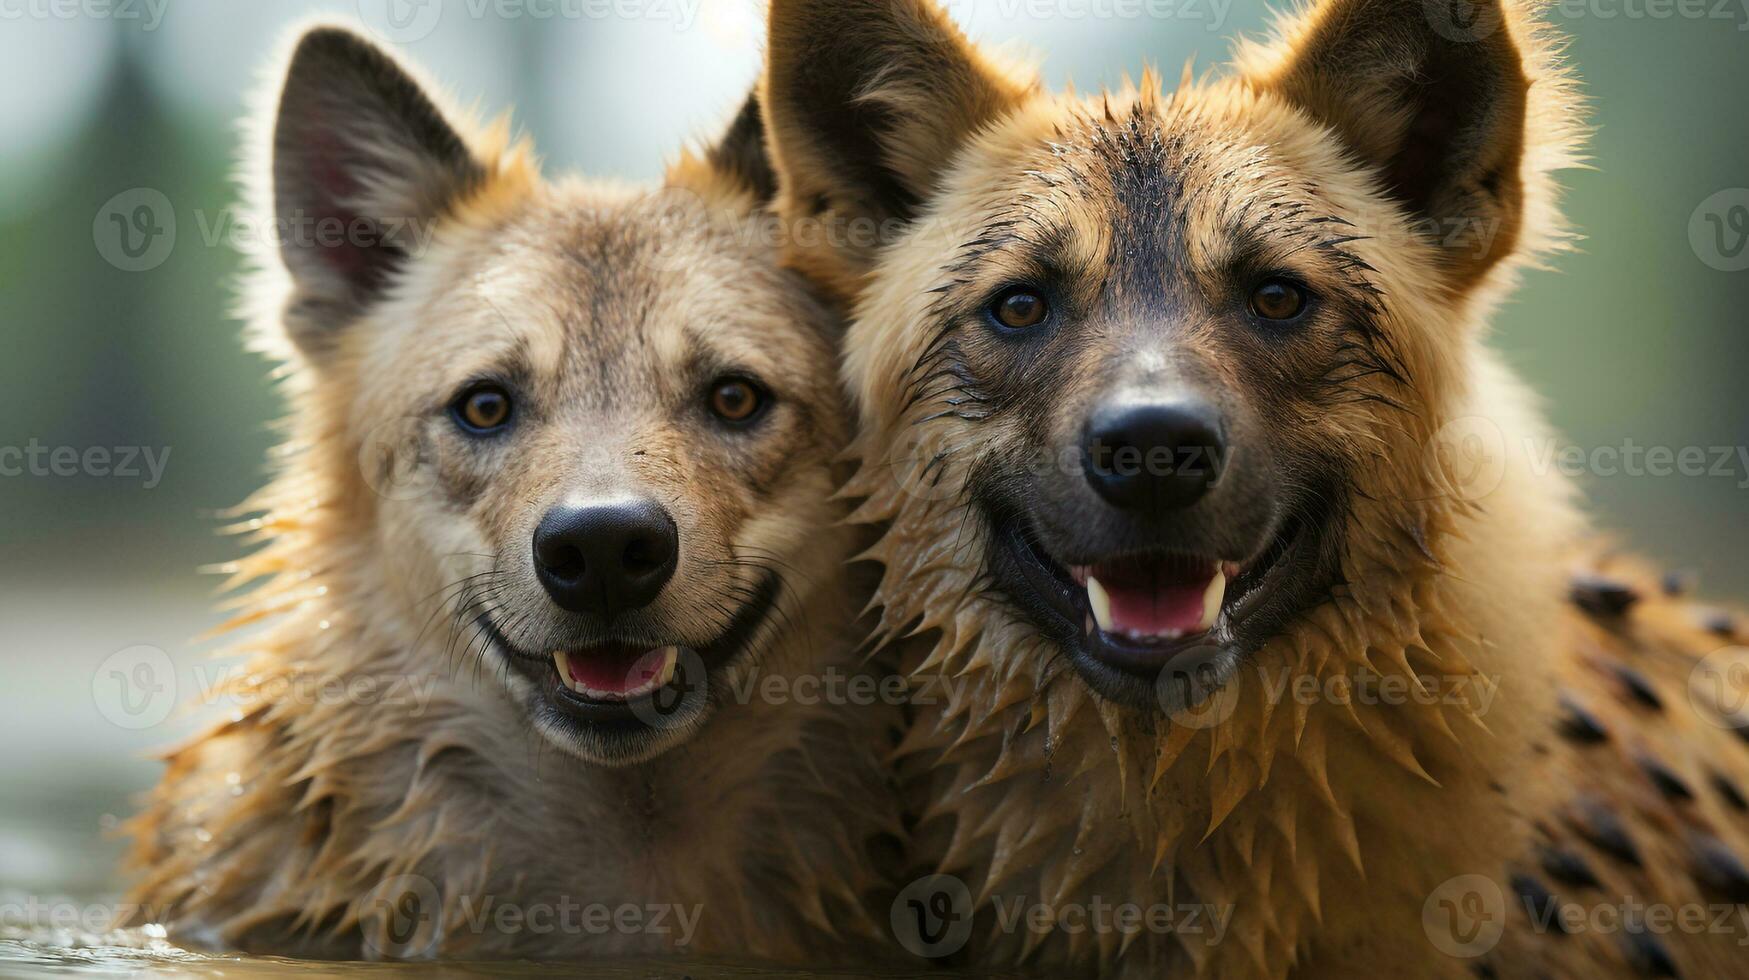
[1326,825]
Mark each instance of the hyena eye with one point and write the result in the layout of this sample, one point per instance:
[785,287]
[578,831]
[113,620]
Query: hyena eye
[482,408]
[736,400]
[1019,307]
[1276,298]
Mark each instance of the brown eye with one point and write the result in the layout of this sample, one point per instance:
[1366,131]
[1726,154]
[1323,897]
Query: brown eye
[1019,308]
[1278,299]
[735,399]
[483,408]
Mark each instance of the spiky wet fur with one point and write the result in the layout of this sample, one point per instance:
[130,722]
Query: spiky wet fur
[309,825]
[1322,827]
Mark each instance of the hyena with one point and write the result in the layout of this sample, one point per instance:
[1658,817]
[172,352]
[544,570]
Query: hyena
[1232,660]
[559,473]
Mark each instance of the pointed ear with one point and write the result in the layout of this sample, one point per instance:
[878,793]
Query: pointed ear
[1432,95]
[363,162]
[741,155]
[866,102]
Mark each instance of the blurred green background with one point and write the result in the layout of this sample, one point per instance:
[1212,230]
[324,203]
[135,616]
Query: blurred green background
[1639,336]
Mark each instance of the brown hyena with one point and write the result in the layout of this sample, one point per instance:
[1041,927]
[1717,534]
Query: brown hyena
[560,633]
[1242,633]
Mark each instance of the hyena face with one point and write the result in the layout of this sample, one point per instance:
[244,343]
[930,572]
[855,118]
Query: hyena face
[1149,352]
[597,422]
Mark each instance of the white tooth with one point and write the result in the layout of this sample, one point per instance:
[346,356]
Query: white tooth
[1099,602]
[670,660]
[562,660]
[1211,599]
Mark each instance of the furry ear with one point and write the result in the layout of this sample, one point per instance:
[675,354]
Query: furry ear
[363,163]
[741,154]
[866,103]
[1433,96]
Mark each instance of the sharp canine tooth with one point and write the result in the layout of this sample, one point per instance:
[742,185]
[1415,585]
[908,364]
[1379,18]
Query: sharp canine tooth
[562,660]
[1211,599]
[665,673]
[1099,602]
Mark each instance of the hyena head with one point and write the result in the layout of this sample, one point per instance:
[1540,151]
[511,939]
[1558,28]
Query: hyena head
[592,425]
[1145,378]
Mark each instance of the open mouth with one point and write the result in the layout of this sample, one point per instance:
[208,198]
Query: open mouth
[620,687]
[1128,618]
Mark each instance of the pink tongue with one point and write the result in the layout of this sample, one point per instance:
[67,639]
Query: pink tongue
[1156,609]
[615,669]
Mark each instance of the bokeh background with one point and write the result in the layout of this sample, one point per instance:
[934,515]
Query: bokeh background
[1637,340]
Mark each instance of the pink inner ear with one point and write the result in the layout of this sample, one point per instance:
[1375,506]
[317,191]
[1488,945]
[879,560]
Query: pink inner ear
[345,240]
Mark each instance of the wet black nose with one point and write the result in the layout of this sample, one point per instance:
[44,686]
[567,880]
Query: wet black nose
[606,559]
[1153,457]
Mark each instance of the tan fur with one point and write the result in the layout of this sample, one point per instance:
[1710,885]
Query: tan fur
[1323,827]
[307,825]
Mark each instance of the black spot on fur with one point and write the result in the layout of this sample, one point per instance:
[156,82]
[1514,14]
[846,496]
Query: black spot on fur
[1579,724]
[1729,792]
[1566,867]
[1719,623]
[1646,954]
[1602,596]
[1663,777]
[1637,686]
[1539,903]
[1718,867]
[1675,583]
[1597,823]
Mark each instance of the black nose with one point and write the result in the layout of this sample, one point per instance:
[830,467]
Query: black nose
[1153,457]
[605,559]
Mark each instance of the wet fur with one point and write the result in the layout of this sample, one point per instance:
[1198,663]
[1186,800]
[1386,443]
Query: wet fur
[1324,826]
[305,825]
